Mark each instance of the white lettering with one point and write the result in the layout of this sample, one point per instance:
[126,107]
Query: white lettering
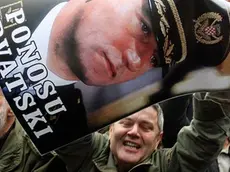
[33,118]
[21,34]
[43,91]
[4,44]
[7,67]
[37,72]
[17,83]
[55,103]
[43,132]
[18,16]
[29,53]
[22,102]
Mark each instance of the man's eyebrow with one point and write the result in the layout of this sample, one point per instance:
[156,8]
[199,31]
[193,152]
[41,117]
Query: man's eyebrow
[127,119]
[147,123]
[146,12]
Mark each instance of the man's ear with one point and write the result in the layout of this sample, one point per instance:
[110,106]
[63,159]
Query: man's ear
[110,130]
[159,140]
[3,102]
[10,113]
[161,135]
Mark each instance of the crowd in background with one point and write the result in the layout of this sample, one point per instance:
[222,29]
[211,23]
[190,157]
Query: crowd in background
[188,133]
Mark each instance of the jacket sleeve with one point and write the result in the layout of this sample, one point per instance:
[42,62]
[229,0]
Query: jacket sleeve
[200,143]
[81,152]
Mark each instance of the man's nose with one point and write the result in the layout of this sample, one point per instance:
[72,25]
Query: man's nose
[132,60]
[134,131]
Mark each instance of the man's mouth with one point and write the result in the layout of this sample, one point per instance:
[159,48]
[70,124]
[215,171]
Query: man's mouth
[110,66]
[131,145]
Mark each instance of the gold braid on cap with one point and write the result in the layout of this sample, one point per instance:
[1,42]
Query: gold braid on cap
[180,29]
[165,27]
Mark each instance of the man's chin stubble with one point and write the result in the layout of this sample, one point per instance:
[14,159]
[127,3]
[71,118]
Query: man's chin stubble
[71,48]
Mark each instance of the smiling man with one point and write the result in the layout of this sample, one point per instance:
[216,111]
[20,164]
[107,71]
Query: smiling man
[132,142]
[133,139]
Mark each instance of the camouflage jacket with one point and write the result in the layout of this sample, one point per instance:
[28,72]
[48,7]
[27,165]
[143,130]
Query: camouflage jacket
[19,155]
[196,147]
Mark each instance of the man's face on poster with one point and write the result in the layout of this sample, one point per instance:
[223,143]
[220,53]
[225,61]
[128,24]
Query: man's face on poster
[113,42]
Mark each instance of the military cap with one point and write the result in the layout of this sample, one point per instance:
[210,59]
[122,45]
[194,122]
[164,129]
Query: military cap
[185,29]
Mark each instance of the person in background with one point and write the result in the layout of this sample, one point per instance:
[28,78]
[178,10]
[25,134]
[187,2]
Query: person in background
[17,153]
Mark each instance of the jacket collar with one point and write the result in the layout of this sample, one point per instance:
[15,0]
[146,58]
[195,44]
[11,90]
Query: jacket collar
[106,163]
[12,150]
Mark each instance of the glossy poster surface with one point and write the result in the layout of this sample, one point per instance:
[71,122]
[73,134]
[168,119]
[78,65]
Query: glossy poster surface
[69,68]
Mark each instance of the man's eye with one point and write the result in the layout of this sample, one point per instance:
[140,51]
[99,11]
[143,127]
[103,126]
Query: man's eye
[146,33]
[146,126]
[126,123]
[145,28]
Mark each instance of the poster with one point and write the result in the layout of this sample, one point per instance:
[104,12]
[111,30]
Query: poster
[69,68]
